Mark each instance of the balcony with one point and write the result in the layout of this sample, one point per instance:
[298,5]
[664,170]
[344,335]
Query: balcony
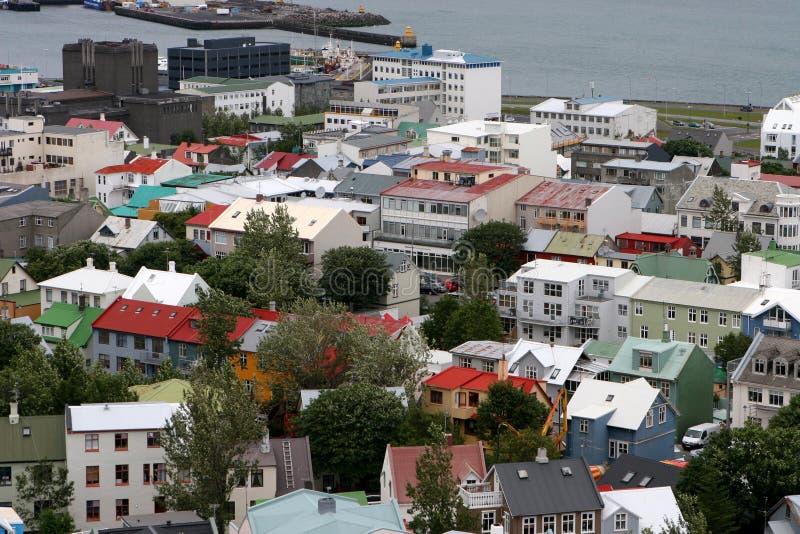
[562,222]
[777,324]
[147,356]
[580,320]
[480,496]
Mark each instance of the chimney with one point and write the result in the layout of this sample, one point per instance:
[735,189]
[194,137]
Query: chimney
[446,155]
[82,303]
[145,142]
[127,222]
[665,334]
[588,201]
[259,198]
[326,505]
[272,305]
[264,445]
[502,369]
[112,266]
[13,415]
[90,263]
[426,151]
[171,266]
[541,456]
[340,163]
[153,155]
[103,117]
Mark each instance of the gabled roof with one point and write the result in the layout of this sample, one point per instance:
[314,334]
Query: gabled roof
[195,148]
[538,239]
[300,465]
[139,165]
[491,350]
[770,348]
[89,280]
[661,474]
[458,167]
[362,183]
[46,440]
[194,180]
[110,416]
[188,331]
[7,263]
[652,506]
[701,190]
[173,390]
[465,378]
[575,244]
[436,190]
[544,488]
[675,265]
[206,217]
[672,356]
[688,293]
[721,244]
[168,287]
[627,403]
[145,193]
[124,233]
[110,126]
[403,461]
[282,161]
[140,317]
[770,297]
[563,195]
[560,358]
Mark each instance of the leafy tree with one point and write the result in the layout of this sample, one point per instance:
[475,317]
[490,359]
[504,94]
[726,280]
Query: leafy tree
[51,522]
[746,241]
[365,412]
[68,363]
[205,443]
[773,167]
[31,377]
[132,375]
[356,276]
[264,231]
[688,147]
[477,319]
[418,427]
[722,216]
[478,278]
[278,279]
[220,123]
[434,326]
[500,242]
[435,498]
[693,519]
[103,386]
[15,338]
[291,137]
[175,222]
[218,317]
[43,486]
[524,446]
[230,274]
[509,404]
[731,347]
[386,360]
[788,416]
[44,264]
[158,255]
[184,136]
[167,371]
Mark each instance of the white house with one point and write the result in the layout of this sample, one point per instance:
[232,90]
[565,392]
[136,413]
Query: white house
[99,287]
[558,365]
[470,84]
[600,116]
[645,509]
[116,183]
[526,145]
[780,129]
[117,130]
[242,96]
[166,287]
[124,234]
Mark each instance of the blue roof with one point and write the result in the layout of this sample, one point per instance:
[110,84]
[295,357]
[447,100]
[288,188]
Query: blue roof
[390,160]
[420,79]
[425,53]
[596,99]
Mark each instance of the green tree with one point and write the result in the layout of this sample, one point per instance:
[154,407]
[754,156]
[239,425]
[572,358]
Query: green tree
[693,519]
[688,147]
[433,327]
[500,242]
[230,274]
[264,231]
[435,498]
[167,371]
[291,137]
[43,486]
[478,278]
[365,412]
[44,264]
[419,427]
[15,338]
[732,346]
[218,317]
[158,255]
[774,167]
[788,416]
[356,276]
[477,319]
[388,360]
[523,447]
[51,522]
[746,241]
[68,363]
[278,279]
[184,136]
[32,379]
[103,386]
[206,441]
[722,215]
[131,374]
[175,222]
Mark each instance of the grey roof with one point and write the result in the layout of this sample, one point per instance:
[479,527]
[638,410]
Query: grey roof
[27,321]
[69,130]
[491,350]
[721,244]
[538,239]
[301,467]
[700,294]
[546,490]
[362,183]
[46,440]
[770,348]
[199,526]
[659,223]
[705,135]
[44,208]
[761,192]
[644,165]
[160,519]
[661,474]
[640,194]
[396,259]
[374,141]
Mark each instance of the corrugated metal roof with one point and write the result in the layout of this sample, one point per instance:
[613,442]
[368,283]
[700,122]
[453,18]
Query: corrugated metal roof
[563,195]
[687,293]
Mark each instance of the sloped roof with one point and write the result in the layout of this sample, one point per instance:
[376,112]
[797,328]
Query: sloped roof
[282,161]
[558,357]
[467,378]
[141,165]
[627,403]
[168,287]
[46,440]
[493,350]
[152,319]
[403,463]
[301,467]
[110,126]
[721,244]
[653,506]
[672,357]
[769,348]
[675,265]
[145,193]
[538,239]
[193,180]
[436,190]
[173,390]
[89,280]
[362,183]
[688,293]
[575,244]
[661,474]
[188,332]
[123,232]
[119,416]
[7,263]
[563,195]
[207,216]
[762,193]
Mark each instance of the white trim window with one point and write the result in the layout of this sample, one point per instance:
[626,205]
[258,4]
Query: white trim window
[587,522]
[620,522]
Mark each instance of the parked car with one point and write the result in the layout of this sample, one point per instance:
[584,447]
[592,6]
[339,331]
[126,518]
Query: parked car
[453,284]
[678,123]
[710,125]
[693,125]
[697,436]
[431,285]
[748,108]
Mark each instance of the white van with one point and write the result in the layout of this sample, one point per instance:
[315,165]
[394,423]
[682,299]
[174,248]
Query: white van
[698,435]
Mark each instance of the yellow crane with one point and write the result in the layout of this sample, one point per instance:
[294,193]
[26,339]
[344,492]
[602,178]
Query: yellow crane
[560,401]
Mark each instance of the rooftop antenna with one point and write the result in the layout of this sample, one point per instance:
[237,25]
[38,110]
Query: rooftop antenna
[591,85]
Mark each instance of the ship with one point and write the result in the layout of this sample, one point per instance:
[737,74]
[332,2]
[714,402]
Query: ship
[22,5]
[100,5]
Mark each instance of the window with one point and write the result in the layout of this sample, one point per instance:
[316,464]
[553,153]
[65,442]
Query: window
[487,366]
[567,523]
[242,360]
[587,522]
[22,222]
[755,395]
[527,286]
[552,290]
[436,397]
[465,362]
[121,441]
[146,473]
[122,340]
[622,332]
[723,319]
[159,473]
[23,241]
[646,359]
[648,422]
[760,366]
[692,315]
[622,310]
[154,439]
[257,478]
[91,442]
[671,312]
[638,309]
[600,285]
[779,367]
[530,371]
[548,523]
[487,520]
[665,387]
[644,331]
[552,310]
[583,426]
[691,337]
[92,510]
[703,340]
[92,475]
[122,507]
[121,474]
[220,238]
[736,320]
[620,522]
[138,342]
[616,448]
[696,222]
[528,525]
[775,398]
[704,316]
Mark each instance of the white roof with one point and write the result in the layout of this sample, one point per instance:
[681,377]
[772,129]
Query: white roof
[651,505]
[628,287]
[645,164]
[114,233]
[560,271]
[119,416]
[629,401]
[550,356]
[689,293]
[604,109]
[89,280]
[659,223]
[166,287]
[788,299]
[784,117]
[480,128]
[311,184]
[347,204]
[436,149]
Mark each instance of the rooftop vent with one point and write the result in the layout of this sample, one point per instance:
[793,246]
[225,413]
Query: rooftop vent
[26,431]
[566,471]
[522,474]
[541,456]
[172,315]
[609,398]
[326,505]
[645,481]
[628,476]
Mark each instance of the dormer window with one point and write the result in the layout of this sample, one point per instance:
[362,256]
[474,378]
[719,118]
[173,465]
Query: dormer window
[645,360]
[760,366]
[780,367]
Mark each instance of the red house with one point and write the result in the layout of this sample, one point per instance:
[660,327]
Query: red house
[631,243]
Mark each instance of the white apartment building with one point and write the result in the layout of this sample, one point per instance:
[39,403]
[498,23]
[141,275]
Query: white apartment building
[98,287]
[16,79]
[780,128]
[470,84]
[599,116]
[117,183]
[526,145]
[569,303]
[62,159]
[355,116]
[400,91]
[242,96]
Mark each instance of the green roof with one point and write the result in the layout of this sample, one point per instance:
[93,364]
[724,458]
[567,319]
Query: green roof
[60,314]
[153,147]
[419,128]
[125,211]
[672,356]
[787,258]
[675,266]
[65,315]
[720,376]
[194,180]
[99,206]
[604,349]
[5,265]
[26,298]
[575,244]
[278,120]
[46,440]
[141,199]
[173,390]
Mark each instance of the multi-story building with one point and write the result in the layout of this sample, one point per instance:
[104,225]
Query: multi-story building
[675,265]
[559,366]
[401,91]
[228,57]
[525,145]
[582,207]
[123,68]
[470,84]
[117,130]
[446,170]
[116,184]
[775,311]
[670,178]
[599,116]
[159,116]
[97,287]
[353,116]
[772,267]
[424,218]
[766,379]
[361,146]
[123,235]
[588,157]
[166,287]
[780,129]
[632,243]
[765,208]
[71,322]
[15,79]
[243,97]
[692,312]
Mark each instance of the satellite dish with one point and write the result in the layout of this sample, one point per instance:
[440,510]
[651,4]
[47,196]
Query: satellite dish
[319,192]
[479,215]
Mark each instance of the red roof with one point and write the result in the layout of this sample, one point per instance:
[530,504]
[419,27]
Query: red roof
[467,378]
[206,217]
[749,163]
[110,126]
[791,181]
[238,140]
[445,191]
[139,317]
[187,331]
[389,324]
[650,238]
[141,164]
[455,166]
[563,195]
[675,243]
[194,148]
[283,161]
[403,465]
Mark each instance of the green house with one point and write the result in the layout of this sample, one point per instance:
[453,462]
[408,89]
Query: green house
[68,321]
[683,372]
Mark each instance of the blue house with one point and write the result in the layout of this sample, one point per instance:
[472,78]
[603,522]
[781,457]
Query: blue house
[608,419]
[775,311]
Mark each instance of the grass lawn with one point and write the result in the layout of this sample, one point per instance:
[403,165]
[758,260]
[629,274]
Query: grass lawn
[753,144]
